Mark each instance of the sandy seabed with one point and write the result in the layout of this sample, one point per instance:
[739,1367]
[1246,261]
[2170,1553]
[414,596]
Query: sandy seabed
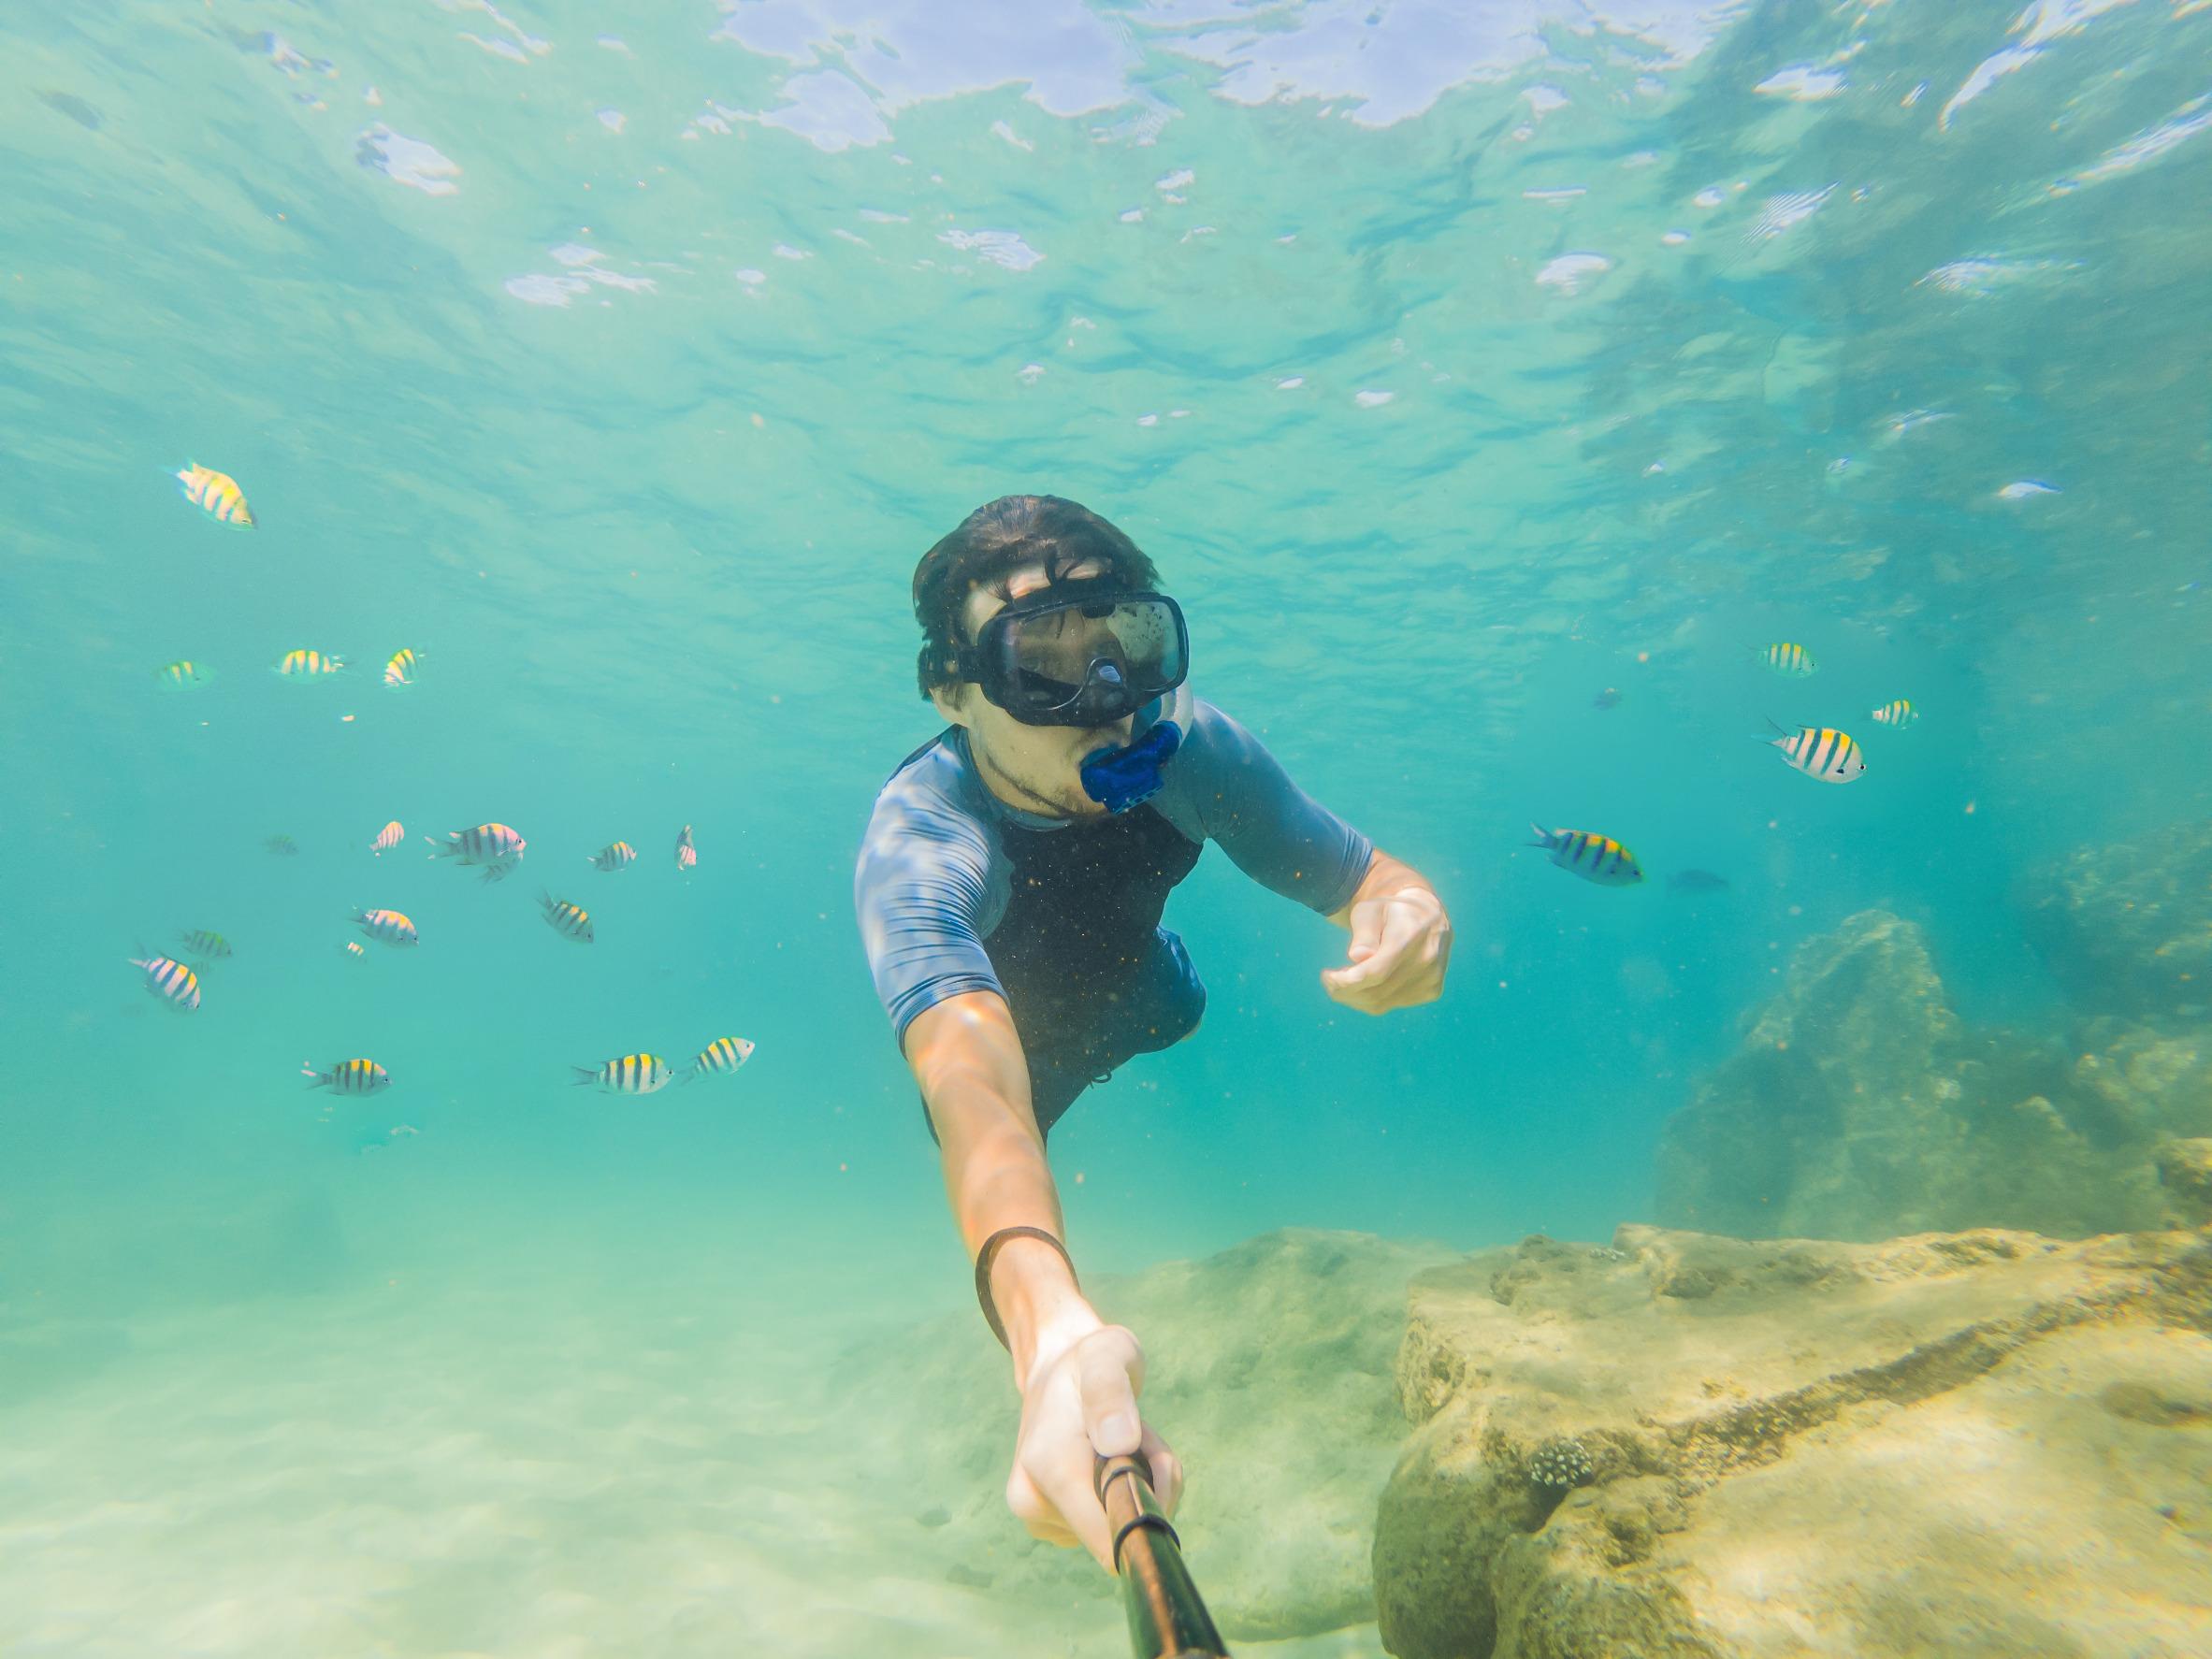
[532,1467]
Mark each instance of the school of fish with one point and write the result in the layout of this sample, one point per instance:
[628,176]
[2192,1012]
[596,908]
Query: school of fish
[494,849]
[1823,753]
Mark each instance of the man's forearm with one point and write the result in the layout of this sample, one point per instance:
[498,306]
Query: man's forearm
[968,1061]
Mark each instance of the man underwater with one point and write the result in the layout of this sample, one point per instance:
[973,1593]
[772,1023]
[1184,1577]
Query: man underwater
[1009,894]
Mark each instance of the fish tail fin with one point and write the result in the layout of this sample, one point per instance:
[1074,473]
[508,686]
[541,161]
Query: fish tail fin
[315,1079]
[585,1075]
[1544,836]
[1779,730]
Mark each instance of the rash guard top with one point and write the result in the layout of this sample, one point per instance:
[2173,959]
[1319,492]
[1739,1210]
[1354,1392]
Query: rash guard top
[957,891]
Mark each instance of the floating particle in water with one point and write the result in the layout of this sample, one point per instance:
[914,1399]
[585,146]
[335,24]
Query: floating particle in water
[1002,247]
[1782,213]
[1608,699]
[1372,399]
[2027,489]
[1179,180]
[1803,83]
[613,119]
[1290,383]
[1710,196]
[1571,272]
[407,161]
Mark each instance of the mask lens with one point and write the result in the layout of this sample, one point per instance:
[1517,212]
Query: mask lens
[1088,661]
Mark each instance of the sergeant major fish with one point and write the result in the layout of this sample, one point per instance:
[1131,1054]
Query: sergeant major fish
[216,494]
[1792,661]
[399,672]
[724,1054]
[686,853]
[570,921]
[390,836]
[633,1074]
[349,1076]
[1594,858]
[170,980]
[206,943]
[184,675]
[1820,751]
[387,926]
[615,855]
[308,665]
[494,847]
[1898,713]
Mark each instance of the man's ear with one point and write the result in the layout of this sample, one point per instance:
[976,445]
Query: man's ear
[952,701]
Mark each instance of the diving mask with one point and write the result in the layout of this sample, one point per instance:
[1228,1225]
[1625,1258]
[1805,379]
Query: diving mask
[1079,654]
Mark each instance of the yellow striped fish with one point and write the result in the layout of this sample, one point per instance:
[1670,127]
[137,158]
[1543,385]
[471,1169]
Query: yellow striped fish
[354,949]
[615,855]
[633,1074]
[724,1054]
[570,921]
[387,926]
[1792,661]
[206,943]
[184,675]
[493,847]
[1899,714]
[1820,751]
[390,836]
[349,1076]
[170,980]
[308,665]
[1594,858]
[216,494]
[400,670]
[686,853]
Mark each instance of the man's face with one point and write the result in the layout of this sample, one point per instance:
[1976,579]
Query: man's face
[1034,768]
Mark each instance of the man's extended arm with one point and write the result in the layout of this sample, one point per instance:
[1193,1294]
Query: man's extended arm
[1078,1375]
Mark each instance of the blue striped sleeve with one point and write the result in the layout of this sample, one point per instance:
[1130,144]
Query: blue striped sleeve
[920,893]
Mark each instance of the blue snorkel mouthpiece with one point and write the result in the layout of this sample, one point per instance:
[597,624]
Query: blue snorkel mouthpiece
[1119,779]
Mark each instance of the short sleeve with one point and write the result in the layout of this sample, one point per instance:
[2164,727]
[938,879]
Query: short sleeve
[920,892]
[1241,797]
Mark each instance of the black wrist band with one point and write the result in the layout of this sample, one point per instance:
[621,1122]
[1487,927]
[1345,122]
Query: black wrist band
[988,1253]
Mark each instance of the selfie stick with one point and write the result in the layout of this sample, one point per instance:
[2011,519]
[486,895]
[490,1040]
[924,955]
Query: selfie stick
[1167,1620]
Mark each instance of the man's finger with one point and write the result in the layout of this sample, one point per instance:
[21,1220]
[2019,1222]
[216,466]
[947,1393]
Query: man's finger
[1109,1373]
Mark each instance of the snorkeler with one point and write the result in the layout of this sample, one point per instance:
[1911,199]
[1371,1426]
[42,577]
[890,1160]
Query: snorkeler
[1009,894]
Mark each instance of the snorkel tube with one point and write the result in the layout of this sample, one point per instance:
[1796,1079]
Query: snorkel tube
[1167,1617]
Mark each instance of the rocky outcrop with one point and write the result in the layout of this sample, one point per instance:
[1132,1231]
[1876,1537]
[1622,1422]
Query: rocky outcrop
[1685,1447]
[1860,1107]
[2128,928]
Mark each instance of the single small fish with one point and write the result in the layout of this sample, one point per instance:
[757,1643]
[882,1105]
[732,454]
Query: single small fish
[615,855]
[494,848]
[400,670]
[724,1054]
[308,665]
[633,1074]
[283,846]
[354,949]
[387,926]
[686,853]
[170,980]
[1697,881]
[206,943]
[216,494]
[1820,751]
[184,675]
[1609,697]
[390,836]
[1594,858]
[1899,714]
[570,921]
[349,1076]
[1793,661]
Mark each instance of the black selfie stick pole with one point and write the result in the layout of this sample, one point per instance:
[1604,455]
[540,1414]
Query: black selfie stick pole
[1167,1618]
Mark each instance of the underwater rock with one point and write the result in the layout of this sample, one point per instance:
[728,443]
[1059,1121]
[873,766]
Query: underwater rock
[1269,1369]
[2185,1170]
[1859,1107]
[1976,1443]
[2127,927]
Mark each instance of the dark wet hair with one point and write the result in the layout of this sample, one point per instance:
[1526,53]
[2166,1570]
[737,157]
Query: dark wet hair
[997,539]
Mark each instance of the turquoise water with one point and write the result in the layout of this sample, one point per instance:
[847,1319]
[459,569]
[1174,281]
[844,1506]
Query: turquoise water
[621,361]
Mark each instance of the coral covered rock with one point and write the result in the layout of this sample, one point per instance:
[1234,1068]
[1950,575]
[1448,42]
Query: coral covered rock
[1859,1107]
[2128,928]
[1985,1443]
